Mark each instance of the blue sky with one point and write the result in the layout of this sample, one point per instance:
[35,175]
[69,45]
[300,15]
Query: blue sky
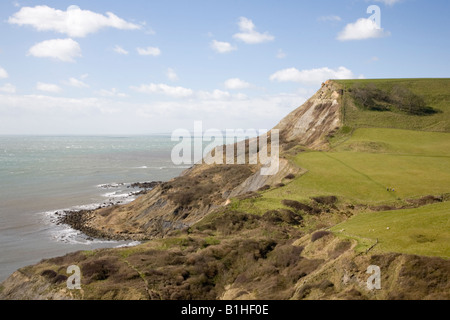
[141,67]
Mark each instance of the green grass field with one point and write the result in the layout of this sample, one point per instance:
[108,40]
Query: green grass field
[374,151]
[362,168]
[423,231]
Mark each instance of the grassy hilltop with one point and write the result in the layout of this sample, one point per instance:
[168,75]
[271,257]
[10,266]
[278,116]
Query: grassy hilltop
[434,92]
[376,190]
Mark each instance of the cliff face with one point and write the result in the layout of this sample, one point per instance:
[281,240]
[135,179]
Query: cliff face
[311,123]
[202,189]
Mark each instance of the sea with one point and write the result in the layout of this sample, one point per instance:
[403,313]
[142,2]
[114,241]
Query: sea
[41,176]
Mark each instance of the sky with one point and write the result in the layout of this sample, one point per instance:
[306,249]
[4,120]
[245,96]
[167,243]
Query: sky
[141,67]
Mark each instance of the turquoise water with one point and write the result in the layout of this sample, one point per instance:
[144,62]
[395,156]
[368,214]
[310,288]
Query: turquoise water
[41,175]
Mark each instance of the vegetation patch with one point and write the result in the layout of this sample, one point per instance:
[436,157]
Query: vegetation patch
[398,97]
[207,186]
[319,234]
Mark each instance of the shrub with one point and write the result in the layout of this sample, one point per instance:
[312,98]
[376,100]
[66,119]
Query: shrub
[290,217]
[264,188]
[272,216]
[283,215]
[290,176]
[297,205]
[399,97]
[99,269]
[326,200]
[319,234]
[207,186]
[60,279]
[286,255]
[49,274]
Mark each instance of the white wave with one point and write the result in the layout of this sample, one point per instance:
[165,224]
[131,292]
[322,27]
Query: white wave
[64,233]
[113,185]
[131,244]
[72,236]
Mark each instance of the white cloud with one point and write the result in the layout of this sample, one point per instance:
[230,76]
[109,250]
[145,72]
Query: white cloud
[281,54]
[214,95]
[172,75]
[161,88]
[76,83]
[48,87]
[248,33]
[331,18]
[312,76]
[220,110]
[61,49]
[39,105]
[222,47]
[3,73]
[73,22]
[362,29]
[236,83]
[149,51]
[389,2]
[44,114]
[181,92]
[120,50]
[8,88]
[112,93]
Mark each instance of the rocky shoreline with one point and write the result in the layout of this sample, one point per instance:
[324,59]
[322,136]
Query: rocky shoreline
[79,219]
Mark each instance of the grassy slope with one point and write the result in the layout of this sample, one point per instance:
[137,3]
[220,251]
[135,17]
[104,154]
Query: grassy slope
[423,231]
[436,93]
[362,165]
[360,170]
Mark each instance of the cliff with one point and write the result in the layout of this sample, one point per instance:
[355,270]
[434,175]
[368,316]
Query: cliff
[308,232]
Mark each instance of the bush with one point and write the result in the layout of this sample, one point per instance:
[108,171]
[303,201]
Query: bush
[283,215]
[60,279]
[264,188]
[290,176]
[272,216]
[207,186]
[318,235]
[399,97]
[49,274]
[297,205]
[326,200]
[286,255]
[100,269]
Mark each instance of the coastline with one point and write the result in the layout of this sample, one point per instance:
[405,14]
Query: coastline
[78,219]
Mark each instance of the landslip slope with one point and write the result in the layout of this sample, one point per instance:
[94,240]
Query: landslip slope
[185,200]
